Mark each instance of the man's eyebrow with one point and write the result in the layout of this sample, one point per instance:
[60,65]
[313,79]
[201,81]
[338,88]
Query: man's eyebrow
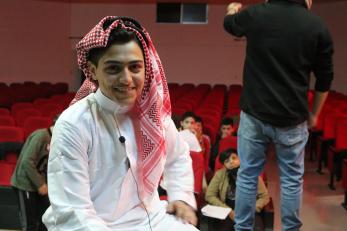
[118,62]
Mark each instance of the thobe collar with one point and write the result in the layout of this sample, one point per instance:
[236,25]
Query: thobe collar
[110,105]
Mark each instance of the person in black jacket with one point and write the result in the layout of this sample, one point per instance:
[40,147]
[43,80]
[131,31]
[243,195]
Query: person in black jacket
[285,43]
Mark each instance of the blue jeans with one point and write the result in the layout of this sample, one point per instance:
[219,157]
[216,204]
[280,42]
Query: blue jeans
[253,139]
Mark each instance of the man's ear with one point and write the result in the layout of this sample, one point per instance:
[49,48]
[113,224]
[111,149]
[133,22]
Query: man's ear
[92,70]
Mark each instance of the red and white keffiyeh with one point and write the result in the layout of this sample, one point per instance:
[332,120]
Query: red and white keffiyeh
[150,109]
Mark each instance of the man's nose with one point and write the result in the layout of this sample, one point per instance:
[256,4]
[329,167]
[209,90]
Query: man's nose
[125,78]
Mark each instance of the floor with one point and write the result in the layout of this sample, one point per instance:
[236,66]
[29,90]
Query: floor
[321,210]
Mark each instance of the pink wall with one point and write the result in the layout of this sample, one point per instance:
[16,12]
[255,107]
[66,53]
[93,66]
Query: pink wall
[335,16]
[190,53]
[34,41]
[205,53]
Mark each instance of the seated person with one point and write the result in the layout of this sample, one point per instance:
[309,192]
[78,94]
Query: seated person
[222,188]
[110,148]
[187,131]
[226,129]
[204,140]
[30,178]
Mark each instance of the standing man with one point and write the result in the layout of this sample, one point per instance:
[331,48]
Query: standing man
[285,43]
[111,147]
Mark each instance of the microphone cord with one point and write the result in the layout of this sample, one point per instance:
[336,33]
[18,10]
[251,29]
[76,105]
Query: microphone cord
[122,140]
[138,196]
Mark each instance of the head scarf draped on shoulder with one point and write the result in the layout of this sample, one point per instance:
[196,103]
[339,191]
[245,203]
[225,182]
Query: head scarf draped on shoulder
[151,107]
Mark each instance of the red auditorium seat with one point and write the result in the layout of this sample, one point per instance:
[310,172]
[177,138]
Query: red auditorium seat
[4,111]
[198,170]
[47,109]
[338,151]
[45,89]
[11,134]
[328,137]
[210,130]
[59,88]
[6,170]
[42,101]
[7,120]
[19,106]
[344,182]
[35,122]
[23,114]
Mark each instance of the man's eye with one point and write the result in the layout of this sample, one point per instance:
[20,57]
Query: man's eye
[113,69]
[135,68]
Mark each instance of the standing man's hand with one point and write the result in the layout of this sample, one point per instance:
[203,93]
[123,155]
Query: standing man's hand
[233,8]
[182,210]
[312,120]
[43,190]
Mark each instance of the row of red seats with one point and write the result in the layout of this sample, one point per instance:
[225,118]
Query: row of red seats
[8,163]
[328,140]
[18,122]
[344,183]
[34,115]
[29,91]
[204,100]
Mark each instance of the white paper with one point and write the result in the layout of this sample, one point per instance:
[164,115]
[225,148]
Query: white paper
[215,211]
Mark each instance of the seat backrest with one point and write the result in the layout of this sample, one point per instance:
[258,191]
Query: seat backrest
[344,175]
[11,134]
[198,170]
[19,106]
[6,171]
[35,122]
[4,111]
[7,120]
[341,133]
[23,114]
[329,124]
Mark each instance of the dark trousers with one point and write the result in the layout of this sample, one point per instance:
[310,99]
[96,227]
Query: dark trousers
[31,208]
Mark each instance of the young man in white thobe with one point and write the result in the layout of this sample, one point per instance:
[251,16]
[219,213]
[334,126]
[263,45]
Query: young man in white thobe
[111,147]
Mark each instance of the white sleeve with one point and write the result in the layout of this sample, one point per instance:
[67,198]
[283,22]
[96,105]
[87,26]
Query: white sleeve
[68,181]
[178,172]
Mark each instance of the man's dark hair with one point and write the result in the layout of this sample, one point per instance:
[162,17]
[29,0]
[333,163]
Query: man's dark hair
[188,114]
[223,156]
[227,121]
[198,119]
[117,36]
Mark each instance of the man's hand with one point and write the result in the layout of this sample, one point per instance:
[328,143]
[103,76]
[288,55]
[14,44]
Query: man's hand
[233,8]
[183,211]
[43,190]
[312,121]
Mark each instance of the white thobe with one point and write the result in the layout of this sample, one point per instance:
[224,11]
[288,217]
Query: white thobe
[90,184]
[191,140]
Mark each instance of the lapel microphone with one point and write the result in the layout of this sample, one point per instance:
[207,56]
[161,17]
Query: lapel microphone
[122,139]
